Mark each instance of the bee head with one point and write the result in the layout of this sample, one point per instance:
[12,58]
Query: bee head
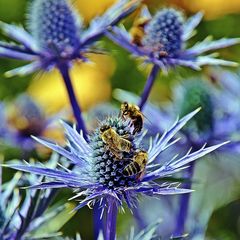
[104,128]
[124,108]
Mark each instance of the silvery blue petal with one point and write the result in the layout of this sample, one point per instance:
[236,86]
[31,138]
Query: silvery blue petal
[77,139]
[161,144]
[24,70]
[20,35]
[208,45]
[145,13]
[193,156]
[148,233]
[69,155]
[190,25]
[47,172]
[8,53]
[211,60]
[112,16]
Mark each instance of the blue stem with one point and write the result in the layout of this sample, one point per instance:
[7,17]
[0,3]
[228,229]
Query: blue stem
[81,125]
[148,86]
[97,220]
[64,70]
[111,220]
[184,204]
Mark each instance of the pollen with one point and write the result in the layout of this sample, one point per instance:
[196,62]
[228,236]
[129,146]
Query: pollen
[164,32]
[54,25]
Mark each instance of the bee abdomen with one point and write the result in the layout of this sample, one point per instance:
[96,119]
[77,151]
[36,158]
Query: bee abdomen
[138,124]
[132,169]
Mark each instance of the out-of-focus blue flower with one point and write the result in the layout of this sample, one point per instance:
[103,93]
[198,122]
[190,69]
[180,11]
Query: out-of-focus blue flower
[21,120]
[22,218]
[5,131]
[57,35]
[99,176]
[163,41]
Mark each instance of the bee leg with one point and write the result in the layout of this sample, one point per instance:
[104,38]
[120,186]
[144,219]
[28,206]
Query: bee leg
[137,128]
[140,175]
[126,136]
[118,155]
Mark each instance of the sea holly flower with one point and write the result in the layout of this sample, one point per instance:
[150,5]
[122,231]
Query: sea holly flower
[99,177]
[23,118]
[163,42]
[56,34]
[57,37]
[218,99]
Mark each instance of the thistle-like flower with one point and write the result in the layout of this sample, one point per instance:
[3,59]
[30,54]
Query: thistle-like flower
[164,38]
[100,175]
[22,119]
[56,38]
[56,34]
[220,108]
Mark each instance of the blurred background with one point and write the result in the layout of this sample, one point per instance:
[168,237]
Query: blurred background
[94,84]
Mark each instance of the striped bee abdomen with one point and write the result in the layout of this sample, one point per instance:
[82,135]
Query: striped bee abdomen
[132,169]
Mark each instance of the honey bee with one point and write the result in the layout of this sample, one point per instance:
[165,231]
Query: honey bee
[138,164]
[133,112]
[137,31]
[115,143]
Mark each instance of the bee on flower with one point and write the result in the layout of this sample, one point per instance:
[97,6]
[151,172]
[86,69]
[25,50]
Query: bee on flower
[162,39]
[98,178]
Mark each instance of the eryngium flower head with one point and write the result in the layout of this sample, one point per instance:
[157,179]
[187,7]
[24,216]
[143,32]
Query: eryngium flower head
[20,120]
[55,26]
[164,32]
[162,39]
[57,35]
[99,174]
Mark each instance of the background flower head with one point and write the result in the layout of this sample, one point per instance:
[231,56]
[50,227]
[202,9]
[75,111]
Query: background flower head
[164,38]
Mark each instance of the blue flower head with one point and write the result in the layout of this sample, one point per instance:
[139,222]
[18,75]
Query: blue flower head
[162,40]
[55,26]
[100,173]
[106,169]
[22,119]
[56,34]
[164,32]
[27,116]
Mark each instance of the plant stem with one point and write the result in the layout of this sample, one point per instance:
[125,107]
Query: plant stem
[97,220]
[148,86]
[64,70]
[111,220]
[184,204]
